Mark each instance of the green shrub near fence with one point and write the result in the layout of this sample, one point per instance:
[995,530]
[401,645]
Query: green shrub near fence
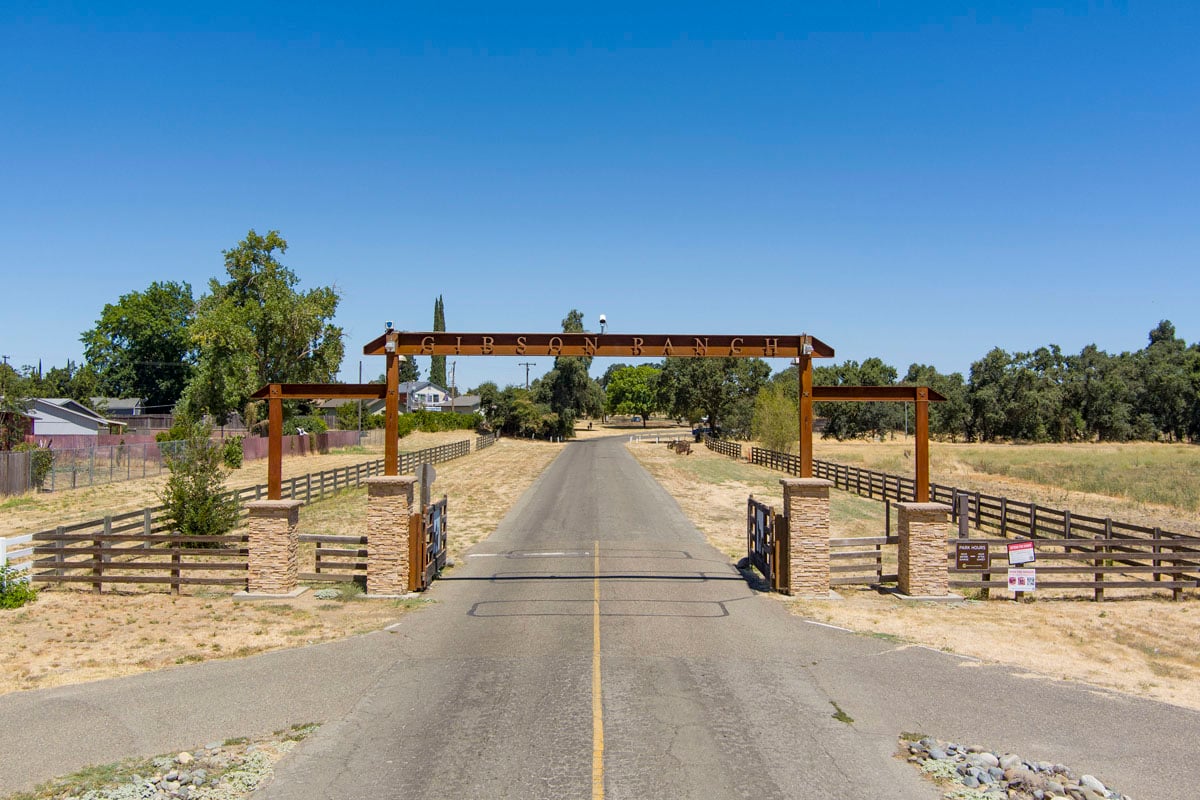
[15,590]
[41,460]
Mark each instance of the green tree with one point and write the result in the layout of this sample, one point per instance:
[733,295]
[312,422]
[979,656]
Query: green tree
[567,389]
[633,390]
[437,364]
[141,347]
[947,419]
[856,420]
[194,498]
[721,389]
[257,328]
[776,420]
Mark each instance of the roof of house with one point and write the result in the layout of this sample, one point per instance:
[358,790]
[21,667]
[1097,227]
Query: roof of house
[71,408]
[112,404]
[467,400]
[410,387]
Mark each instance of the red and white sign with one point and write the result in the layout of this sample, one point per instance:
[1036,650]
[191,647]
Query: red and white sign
[1022,580]
[1021,553]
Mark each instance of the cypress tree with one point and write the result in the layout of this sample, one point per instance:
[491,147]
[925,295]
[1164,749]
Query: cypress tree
[437,364]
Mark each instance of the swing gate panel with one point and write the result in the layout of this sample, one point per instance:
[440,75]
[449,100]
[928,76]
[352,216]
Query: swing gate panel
[427,545]
[767,544]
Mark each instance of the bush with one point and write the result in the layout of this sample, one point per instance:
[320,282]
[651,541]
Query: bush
[231,452]
[15,590]
[311,423]
[195,500]
[43,460]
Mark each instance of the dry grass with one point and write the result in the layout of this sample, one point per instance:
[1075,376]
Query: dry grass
[41,511]
[1144,483]
[1145,646]
[71,636]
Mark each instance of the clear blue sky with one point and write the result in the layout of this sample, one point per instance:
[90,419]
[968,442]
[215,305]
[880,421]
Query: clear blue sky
[914,181]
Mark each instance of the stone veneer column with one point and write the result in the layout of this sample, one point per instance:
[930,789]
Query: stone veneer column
[923,568]
[389,504]
[806,505]
[272,563]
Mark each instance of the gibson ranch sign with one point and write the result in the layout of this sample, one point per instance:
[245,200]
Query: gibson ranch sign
[432,343]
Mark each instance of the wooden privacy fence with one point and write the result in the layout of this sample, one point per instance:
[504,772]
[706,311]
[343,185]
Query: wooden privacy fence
[1099,563]
[139,547]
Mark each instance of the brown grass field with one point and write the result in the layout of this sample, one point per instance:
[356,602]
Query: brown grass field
[1143,644]
[72,636]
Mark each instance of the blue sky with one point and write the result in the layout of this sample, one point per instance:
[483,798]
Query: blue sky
[914,181]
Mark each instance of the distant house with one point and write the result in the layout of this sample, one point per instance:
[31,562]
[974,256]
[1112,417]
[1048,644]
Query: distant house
[62,416]
[464,404]
[418,395]
[328,409]
[120,407]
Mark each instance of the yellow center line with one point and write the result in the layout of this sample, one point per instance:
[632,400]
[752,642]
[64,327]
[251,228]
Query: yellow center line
[597,705]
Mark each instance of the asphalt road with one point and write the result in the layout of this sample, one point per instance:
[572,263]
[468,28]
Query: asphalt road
[705,688]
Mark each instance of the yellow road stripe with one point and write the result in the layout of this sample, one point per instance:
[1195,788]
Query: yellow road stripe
[597,705]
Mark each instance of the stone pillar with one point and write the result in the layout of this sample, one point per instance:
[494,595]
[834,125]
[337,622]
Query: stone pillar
[923,568]
[273,567]
[389,505]
[806,505]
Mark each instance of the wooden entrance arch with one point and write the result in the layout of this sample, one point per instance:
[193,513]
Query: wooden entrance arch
[394,345]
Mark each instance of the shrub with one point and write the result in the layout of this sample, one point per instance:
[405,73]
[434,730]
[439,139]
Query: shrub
[42,460]
[15,590]
[231,452]
[195,500]
[311,423]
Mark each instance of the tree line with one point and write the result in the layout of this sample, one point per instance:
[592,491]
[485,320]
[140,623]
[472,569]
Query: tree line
[203,357]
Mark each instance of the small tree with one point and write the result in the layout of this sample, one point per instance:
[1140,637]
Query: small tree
[776,420]
[194,496]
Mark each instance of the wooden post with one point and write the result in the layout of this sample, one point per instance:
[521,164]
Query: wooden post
[391,430]
[175,563]
[805,371]
[922,444]
[275,442]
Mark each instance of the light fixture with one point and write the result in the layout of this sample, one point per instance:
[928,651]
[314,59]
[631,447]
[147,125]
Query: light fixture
[603,323]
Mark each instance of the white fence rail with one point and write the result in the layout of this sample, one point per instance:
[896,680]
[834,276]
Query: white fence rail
[20,561]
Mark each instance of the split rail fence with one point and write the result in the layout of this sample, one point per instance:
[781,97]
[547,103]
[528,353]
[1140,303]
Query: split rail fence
[1073,551]
[140,548]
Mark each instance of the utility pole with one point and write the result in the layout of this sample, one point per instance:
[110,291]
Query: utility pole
[360,403]
[527,365]
[453,366]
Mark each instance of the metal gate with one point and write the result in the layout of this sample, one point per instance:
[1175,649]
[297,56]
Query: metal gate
[427,545]
[767,544]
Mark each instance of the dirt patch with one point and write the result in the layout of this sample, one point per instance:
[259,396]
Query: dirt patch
[72,636]
[1141,645]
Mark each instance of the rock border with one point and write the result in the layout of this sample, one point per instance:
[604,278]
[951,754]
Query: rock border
[976,773]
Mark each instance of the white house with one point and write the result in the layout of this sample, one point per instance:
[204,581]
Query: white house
[62,416]
[424,395]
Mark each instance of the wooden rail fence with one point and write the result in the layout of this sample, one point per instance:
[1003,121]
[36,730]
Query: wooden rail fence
[1010,518]
[723,446]
[139,547]
[1084,552]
